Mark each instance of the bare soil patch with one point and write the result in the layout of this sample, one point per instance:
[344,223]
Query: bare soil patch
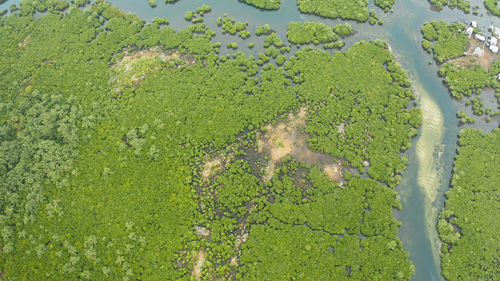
[131,55]
[484,61]
[211,167]
[198,264]
[132,66]
[289,139]
[25,41]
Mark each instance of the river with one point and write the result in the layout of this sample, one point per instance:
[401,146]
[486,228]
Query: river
[432,153]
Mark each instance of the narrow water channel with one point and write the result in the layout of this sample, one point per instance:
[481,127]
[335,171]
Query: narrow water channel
[432,153]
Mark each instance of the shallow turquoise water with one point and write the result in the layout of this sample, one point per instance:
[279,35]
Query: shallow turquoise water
[402,30]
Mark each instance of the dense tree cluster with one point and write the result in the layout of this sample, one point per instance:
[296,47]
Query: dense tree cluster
[310,32]
[106,121]
[467,223]
[461,4]
[349,104]
[466,82]
[232,27]
[385,4]
[263,30]
[197,15]
[264,4]
[152,3]
[300,33]
[492,6]
[445,41]
[306,232]
[345,9]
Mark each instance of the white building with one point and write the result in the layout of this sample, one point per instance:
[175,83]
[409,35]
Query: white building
[493,41]
[473,24]
[480,37]
[495,31]
[469,31]
[478,52]
[494,49]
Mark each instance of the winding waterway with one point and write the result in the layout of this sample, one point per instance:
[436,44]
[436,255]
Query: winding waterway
[432,153]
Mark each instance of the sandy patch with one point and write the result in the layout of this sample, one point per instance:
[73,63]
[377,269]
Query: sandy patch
[334,172]
[234,261]
[211,167]
[25,41]
[428,150]
[132,57]
[428,144]
[133,66]
[288,139]
[198,264]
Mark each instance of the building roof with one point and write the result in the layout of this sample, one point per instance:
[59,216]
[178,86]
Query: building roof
[496,31]
[480,37]
[469,31]
[494,49]
[493,41]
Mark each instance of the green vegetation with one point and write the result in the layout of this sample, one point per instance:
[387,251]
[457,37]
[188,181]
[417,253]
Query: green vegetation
[465,81]
[373,18]
[264,4]
[232,45]
[201,11]
[273,40]
[107,124]
[232,27]
[470,249]
[343,29]
[385,4]
[462,116]
[464,77]
[310,32]
[445,41]
[306,226]
[280,60]
[349,105]
[469,81]
[345,9]
[492,6]
[152,3]
[461,4]
[300,33]
[189,15]
[263,30]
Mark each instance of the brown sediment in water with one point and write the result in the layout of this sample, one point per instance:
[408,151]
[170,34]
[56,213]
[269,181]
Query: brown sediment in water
[289,139]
